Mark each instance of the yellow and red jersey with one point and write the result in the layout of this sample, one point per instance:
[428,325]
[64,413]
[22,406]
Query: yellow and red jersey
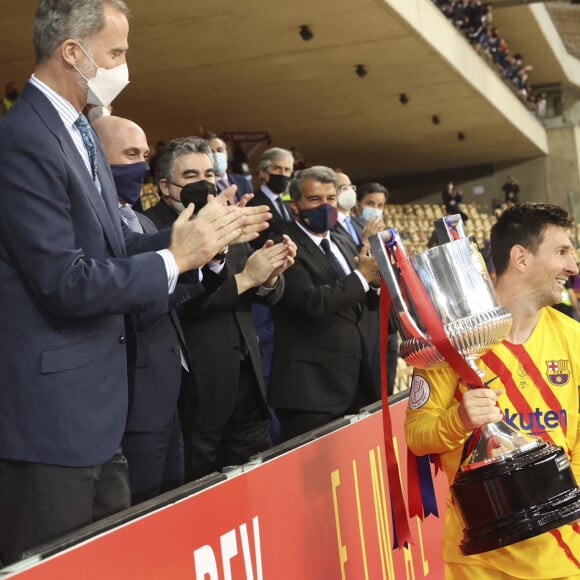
[541,379]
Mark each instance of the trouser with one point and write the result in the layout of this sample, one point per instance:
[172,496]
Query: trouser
[155,460]
[40,503]
[212,445]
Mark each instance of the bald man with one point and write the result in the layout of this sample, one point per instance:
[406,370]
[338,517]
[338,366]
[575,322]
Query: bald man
[127,151]
[152,442]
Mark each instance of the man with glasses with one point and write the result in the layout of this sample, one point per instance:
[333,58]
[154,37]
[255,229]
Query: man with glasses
[229,421]
[346,200]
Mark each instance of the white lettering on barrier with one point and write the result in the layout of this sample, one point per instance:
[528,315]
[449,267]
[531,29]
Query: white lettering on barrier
[206,567]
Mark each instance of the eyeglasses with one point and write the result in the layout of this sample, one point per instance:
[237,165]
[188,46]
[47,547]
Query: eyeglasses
[347,186]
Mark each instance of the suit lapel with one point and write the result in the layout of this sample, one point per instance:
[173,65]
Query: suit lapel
[345,247]
[109,195]
[76,164]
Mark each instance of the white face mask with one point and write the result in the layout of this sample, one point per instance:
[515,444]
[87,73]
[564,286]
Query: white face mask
[104,87]
[220,162]
[346,198]
[371,212]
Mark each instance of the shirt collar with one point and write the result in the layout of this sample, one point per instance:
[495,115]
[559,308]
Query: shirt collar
[64,108]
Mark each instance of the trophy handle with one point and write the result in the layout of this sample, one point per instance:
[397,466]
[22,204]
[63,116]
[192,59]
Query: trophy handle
[379,243]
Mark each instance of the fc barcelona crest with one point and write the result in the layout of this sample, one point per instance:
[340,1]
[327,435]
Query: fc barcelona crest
[558,372]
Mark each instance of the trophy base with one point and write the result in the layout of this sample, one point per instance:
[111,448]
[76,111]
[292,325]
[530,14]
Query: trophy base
[517,498]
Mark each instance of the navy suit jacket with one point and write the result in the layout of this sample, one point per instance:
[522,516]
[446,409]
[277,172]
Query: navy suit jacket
[155,374]
[69,272]
[240,181]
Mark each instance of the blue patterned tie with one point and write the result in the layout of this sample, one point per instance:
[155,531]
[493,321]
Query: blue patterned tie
[84,127]
[131,218]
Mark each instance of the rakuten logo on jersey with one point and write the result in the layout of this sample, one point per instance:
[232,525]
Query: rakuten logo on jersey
[537,421]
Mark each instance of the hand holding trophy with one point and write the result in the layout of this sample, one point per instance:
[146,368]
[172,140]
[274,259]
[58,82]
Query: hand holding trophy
[511,486]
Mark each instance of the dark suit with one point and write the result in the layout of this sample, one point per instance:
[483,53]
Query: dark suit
[277,224]
[320,364]
[240,181]
[231,419]
[262,314]
[152,441]
[339,228]
[63,261]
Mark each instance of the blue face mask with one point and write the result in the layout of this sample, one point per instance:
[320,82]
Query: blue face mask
[371,212]
[220,162]
[319,219]
[129,179]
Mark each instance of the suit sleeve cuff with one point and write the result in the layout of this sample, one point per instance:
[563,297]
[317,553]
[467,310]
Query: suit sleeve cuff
[363,281]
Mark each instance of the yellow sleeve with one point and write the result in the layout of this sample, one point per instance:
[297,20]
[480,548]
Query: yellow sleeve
[432,423]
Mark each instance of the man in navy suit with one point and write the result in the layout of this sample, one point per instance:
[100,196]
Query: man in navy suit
[152,443]
[69,272]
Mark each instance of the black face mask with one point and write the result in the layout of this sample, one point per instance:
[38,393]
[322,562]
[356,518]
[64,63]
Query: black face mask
[277,183]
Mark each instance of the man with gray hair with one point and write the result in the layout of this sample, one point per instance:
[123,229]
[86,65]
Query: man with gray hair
[64,255]
[320,368]
[229,422]
[177,166]
[275,170]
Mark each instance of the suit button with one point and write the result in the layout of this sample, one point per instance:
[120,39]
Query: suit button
[122,340]
[175,350]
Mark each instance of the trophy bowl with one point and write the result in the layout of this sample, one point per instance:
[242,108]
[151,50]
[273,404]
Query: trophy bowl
[511,486]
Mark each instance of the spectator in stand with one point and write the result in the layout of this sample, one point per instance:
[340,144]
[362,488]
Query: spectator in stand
[541,105]
[452,199]
[220,165]
[320,368]
[475,19]
[460,16]
[511,189]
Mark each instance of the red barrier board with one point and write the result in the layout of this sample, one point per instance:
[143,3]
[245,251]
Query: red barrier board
[319,512]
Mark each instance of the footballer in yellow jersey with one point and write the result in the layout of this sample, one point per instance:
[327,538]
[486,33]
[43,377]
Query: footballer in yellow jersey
[433,426]
[533,384]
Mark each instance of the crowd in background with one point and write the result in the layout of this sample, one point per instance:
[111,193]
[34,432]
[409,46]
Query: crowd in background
[475,19]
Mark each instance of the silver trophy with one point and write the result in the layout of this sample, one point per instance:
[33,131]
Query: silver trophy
[492,486]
